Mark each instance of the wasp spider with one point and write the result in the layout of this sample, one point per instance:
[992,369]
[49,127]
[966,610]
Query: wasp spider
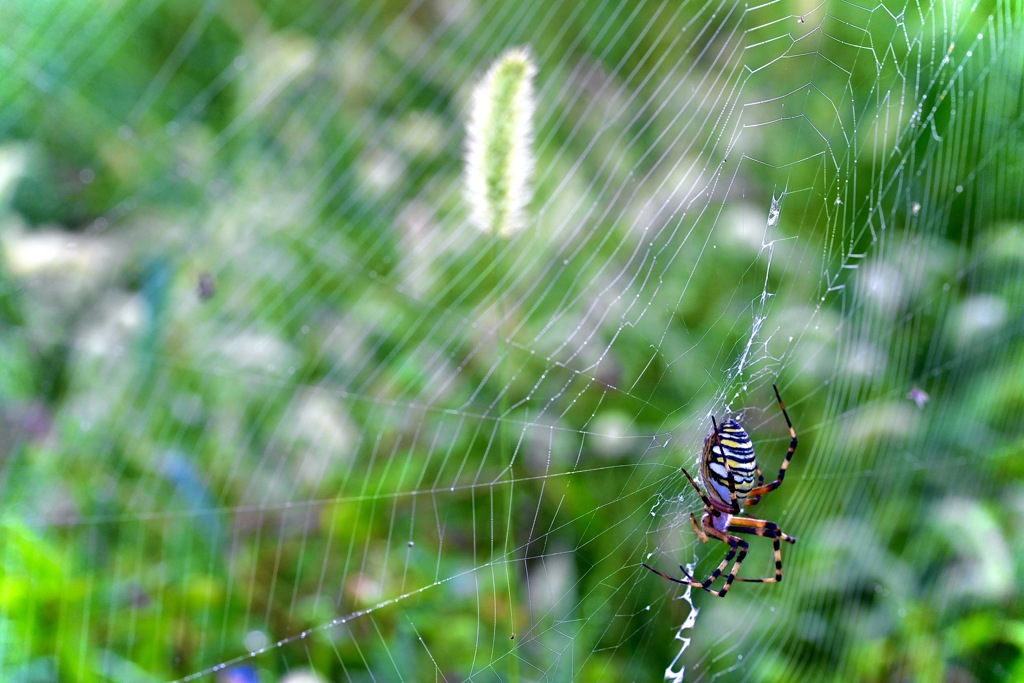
[728,469]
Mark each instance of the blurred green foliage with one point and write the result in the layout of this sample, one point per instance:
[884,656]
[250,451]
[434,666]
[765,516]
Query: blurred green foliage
[259,378]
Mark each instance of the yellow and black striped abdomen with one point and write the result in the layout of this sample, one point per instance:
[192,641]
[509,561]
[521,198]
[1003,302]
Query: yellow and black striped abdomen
[729,457]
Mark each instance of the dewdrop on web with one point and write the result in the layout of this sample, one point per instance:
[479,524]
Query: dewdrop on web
[499,145]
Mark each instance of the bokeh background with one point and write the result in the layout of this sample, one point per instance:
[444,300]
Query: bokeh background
[270,408]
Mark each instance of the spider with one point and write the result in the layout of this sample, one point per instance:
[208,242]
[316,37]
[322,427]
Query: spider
[728,468]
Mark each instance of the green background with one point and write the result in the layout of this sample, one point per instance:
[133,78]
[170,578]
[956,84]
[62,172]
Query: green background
[259,378]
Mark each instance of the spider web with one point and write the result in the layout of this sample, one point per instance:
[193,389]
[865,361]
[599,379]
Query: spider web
[274,410]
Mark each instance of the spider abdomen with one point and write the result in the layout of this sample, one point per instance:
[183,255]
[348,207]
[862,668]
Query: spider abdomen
[729,455]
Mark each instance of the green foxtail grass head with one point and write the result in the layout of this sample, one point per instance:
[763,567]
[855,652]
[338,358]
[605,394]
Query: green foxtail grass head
[499,154]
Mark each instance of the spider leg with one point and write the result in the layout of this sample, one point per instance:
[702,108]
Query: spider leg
[666,576]
[737,549]
[708,503]
[760,482]
[697,529]
[760,527]
[762,489]
[735,545]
